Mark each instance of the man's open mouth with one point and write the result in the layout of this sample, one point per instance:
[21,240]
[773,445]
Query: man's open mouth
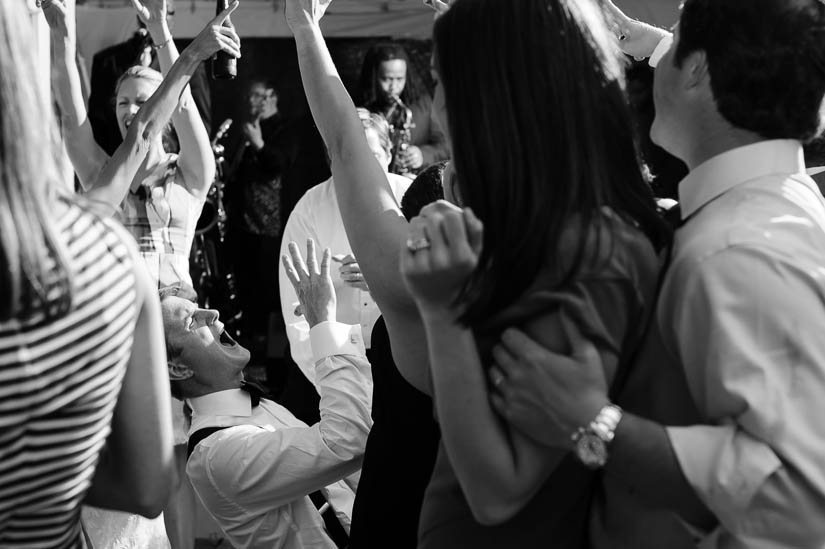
[226,339]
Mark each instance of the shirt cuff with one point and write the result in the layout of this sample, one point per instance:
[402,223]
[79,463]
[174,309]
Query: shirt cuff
[333,338]
[661,49]
[725,466]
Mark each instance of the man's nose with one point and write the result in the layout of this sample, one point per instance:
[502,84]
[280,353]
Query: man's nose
[208,316]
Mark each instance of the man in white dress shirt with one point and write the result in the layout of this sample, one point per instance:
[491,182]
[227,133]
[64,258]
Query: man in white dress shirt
[721,441]
[316,216]
[252,463]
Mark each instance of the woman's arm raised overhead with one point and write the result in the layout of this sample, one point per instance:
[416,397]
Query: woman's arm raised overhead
[114,179]
[375,226]
[196,161]
[374,223]
[85,154]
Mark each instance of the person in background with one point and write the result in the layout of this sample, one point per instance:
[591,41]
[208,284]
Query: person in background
[108,66]
[317,216]
[389,86]
[263,151]
[720,442]
[257,469]
[83,414]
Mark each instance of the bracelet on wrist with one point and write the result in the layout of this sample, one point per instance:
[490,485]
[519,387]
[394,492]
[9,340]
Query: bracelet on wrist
[162,45]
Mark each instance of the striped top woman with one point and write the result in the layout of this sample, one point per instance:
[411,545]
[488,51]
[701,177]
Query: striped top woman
[74,315]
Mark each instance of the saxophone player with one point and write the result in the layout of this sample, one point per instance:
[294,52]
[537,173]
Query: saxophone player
[390,87]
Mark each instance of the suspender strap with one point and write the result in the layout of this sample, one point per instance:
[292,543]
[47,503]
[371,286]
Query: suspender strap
[198,436]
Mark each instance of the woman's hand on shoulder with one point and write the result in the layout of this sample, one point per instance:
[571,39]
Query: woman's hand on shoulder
[547,395]
[442,250]
[301,14]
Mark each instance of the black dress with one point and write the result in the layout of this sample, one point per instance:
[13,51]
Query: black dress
[399,458]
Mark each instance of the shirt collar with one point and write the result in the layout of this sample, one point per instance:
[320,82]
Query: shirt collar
[716,176]
[232,402]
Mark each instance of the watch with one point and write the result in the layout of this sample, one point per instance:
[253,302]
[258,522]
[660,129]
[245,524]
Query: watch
[590,443]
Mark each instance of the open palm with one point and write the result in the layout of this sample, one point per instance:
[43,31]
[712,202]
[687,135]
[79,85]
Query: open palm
[302,13]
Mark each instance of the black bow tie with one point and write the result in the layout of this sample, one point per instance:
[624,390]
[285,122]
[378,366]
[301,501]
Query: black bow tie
[255,391]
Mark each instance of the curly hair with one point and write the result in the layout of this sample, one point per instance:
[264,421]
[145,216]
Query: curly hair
[766,60]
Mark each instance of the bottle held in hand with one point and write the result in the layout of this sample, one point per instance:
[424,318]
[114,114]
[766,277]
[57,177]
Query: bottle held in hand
[224,66]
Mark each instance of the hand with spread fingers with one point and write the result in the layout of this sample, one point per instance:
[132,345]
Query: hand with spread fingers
[302,14]
[635,37]
[313,285]
[216,37]
[350,272]
[546,395]
[442,250]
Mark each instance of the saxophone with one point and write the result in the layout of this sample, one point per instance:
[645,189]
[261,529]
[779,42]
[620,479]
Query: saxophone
[401,124]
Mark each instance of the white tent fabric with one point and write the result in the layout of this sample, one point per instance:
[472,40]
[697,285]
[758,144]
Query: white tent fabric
[102,23]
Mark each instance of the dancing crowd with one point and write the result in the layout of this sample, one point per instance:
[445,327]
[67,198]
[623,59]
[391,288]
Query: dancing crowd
[511,338]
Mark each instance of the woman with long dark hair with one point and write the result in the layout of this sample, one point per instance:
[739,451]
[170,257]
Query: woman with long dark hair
[84,411]
[390,86]
[565,232]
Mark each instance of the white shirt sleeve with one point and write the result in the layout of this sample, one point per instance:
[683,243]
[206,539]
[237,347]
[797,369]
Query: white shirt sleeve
[252,469]
[748,331]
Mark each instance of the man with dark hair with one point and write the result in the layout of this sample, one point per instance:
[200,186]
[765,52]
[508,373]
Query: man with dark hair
[720,440]
[255,467]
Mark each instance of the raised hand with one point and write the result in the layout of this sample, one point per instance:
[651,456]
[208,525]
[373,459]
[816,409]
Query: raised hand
[151,12]
[442,250]
[313,285]
[304,13]
[635,37]
[59,16]
[216,37]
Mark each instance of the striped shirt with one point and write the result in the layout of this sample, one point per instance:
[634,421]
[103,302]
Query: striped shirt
[59,381]
[162,216]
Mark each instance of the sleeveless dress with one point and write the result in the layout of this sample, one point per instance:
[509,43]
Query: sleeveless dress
[59,381]
[619,277]
[399,456]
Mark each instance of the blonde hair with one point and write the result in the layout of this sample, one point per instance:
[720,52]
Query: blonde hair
[139,72]
[34,274]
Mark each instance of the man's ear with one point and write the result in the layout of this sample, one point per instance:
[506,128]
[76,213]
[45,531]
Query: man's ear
[178,371]
[695,69]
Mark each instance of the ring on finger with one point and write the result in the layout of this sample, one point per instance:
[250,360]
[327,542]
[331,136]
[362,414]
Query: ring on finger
[498,379]
[417,244]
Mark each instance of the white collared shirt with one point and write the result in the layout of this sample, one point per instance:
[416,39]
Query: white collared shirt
[317,216]
[743,309]
[254,478]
